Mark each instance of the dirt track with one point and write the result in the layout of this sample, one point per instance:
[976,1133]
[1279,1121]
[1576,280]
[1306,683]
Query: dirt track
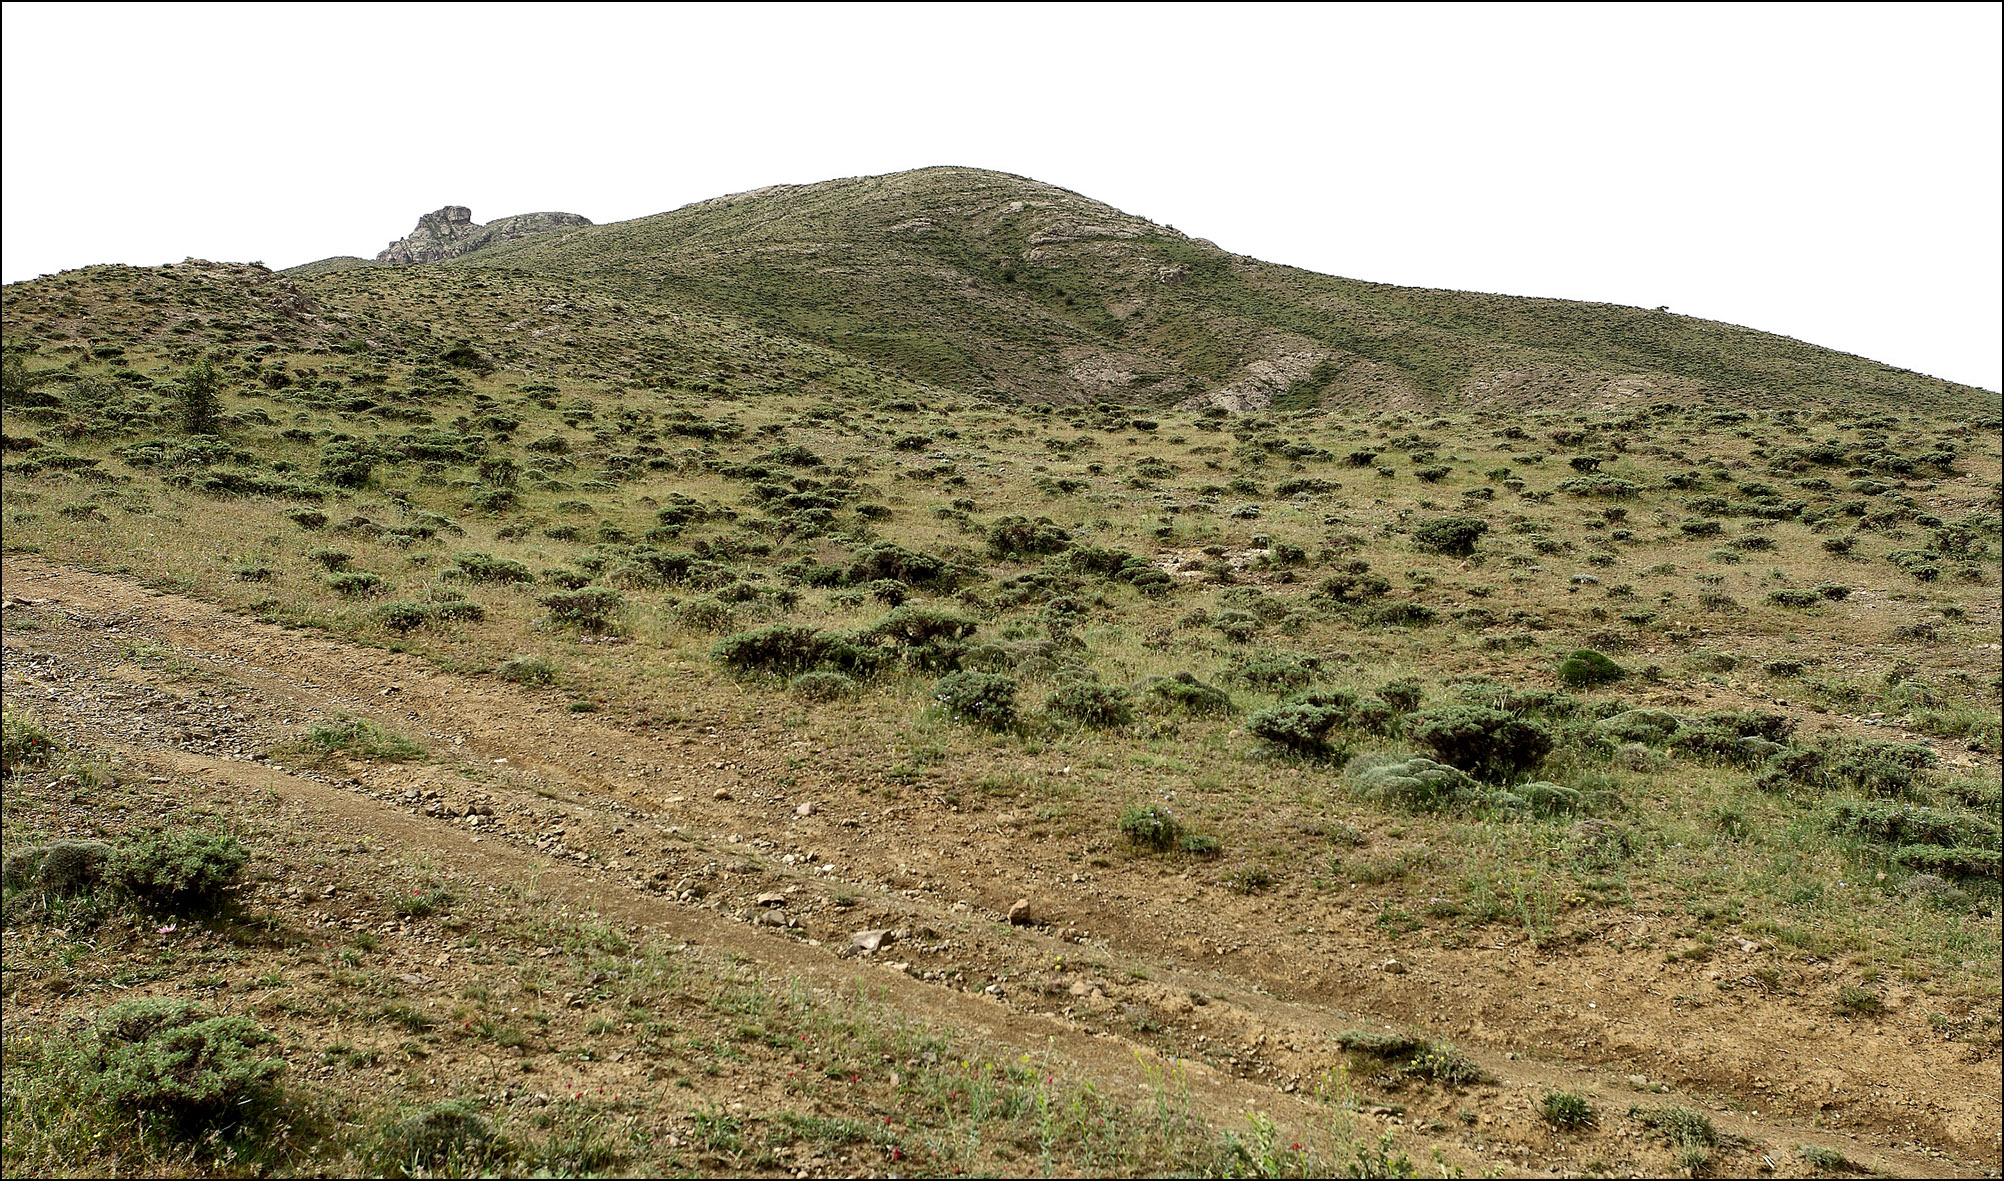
[683,827]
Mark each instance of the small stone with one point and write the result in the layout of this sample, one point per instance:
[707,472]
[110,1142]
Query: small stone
[720,794]
[1080,988]
[1392,967]
[771,899]
[1019,912]
[867,941]
[806,809]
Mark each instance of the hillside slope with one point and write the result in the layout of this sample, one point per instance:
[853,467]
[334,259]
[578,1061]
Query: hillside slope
[987,282]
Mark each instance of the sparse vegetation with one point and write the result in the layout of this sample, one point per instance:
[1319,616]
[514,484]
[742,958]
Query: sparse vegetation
[1374,670]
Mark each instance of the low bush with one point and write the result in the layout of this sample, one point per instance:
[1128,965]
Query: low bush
[1453,536]
[1485,742]
[181,873]
[1586,669]
[488,568]
[1018,537]
[1410,783]
[1151,826]
[1302,723]
[781,649]
[1090,703]
[1566,1109]
[1184,693]
[1652,727]
[37,881]
[354,584]
[358,738]
[588,608]
[979,699]
[182,1063]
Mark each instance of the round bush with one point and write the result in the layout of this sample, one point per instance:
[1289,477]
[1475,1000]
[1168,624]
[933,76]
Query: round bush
[1650,726]
[980,699]
[1452,536]
[187,872]
[590,608]
[178,1060]
[1411,783]
[1587,668]
[1482,741]
[1089,703]
[1184,692]
[1151,826]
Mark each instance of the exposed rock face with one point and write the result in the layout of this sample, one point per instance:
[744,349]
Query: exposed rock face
[451,232]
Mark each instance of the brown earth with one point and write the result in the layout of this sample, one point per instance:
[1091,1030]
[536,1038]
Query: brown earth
[1125,963]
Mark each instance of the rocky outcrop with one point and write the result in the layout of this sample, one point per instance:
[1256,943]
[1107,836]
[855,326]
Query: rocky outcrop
[451,231]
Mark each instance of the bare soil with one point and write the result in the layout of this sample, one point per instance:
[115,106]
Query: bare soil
[726,832]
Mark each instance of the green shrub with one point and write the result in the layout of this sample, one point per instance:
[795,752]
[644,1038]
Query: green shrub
[887,560]
[1539,799]
[1411,783]
[1452,536]
[1275,672]
[980,699]
[423,903]
[1090,703]
[448,1139]
[1185,693]
[588,608]
[182,1063]
[1401,614]
[928,639]
[23,742]
[1248,879]
[402,616]
[182,873]
[780,649]
[1198,844]
[354,584]
[1353,582]
[1652,727]
[1566,1109]
[1402,695]
[488,568]
[1796,597]
[1485,742]
[1585,669]
[1017,537]
[526,670]
[1151,826]
[37,880]
[1302,723]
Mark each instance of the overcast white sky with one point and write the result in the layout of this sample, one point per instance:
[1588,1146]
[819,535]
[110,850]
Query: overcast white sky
[1827,172]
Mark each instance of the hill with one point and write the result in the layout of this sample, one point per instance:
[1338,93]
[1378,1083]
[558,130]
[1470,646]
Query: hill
[724,694]
[990,283]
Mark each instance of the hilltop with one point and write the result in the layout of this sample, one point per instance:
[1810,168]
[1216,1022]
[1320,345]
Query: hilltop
[995,284]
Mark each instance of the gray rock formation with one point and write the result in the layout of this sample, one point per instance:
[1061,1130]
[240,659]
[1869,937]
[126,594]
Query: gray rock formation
[451,232]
